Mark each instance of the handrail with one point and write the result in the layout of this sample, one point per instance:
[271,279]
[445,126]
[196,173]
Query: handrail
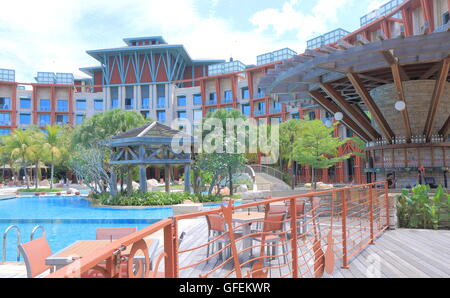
[35,230]
[271,172]
[4,242]
[370,200]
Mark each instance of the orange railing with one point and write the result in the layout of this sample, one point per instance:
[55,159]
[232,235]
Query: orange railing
[306,235]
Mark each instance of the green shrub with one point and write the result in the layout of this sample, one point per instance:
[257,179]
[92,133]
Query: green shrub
[418,209]
[153,198]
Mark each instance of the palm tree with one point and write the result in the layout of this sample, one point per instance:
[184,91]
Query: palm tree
[53,146]
[37,154]
[20,146]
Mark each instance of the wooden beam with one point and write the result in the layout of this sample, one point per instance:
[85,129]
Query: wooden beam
[392,60]
[445,129]
[333,108]
[436,99]
[343,103]
[371,105]
[397,71]
[430,72]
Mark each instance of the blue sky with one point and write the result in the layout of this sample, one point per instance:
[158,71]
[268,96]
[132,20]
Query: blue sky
[53,35]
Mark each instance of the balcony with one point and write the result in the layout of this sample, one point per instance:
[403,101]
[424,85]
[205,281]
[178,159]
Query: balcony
[259,113]
[275,110]
[211,102]
[5,122]
[5,107]
[129,107]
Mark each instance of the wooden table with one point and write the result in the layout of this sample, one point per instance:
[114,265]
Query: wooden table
[247,217]
[84,248]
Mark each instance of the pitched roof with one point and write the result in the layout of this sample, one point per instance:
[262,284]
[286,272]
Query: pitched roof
[152,129]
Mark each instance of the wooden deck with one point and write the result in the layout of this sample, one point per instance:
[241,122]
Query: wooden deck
[397,254]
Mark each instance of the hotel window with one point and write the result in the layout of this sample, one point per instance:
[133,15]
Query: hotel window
[129,98]
[228,96]
[114,103]
[5,103]
[245,93]
[25,103]
[212,98]
[198,115]
[246,110]
[114,98]
[161,116]
[5,131]
[25,118]
[146,114]
[128,103]
[62,119]
[81,104]
[181,114]
[296,116]
[161,96]
[312,115]
[79,118]
[5,119]
[261,93]
[44,120]
[44,105]
[197,99]
[145,95]
[181,101]
[98,104]
[261,108]
[62,105]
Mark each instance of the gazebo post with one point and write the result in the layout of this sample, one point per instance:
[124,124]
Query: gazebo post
[167,177]
[142,178]
[187,178]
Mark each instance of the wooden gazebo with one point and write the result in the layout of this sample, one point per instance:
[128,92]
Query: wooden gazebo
[151,145]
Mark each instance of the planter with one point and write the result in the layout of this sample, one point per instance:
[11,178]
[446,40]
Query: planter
[77,193]
[68,192]
[36,193]
[58,193]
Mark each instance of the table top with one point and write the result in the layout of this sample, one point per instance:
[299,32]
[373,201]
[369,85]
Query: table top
[83,248]
[246,216]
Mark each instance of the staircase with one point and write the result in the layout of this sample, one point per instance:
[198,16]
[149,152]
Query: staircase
[266,182]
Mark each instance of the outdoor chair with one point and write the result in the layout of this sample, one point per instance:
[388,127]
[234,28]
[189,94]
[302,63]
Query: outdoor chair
[217,230]
[34,254]
[274,233]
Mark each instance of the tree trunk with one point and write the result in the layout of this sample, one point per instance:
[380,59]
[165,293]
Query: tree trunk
[113,183]
[313,177]
[211,187]
[52,172]
[26,176]
[121,181]
[230,176]
[293,175]
[36,178]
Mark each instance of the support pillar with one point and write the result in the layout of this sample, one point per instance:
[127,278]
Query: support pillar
[143,178]
[167,177]
[187,178]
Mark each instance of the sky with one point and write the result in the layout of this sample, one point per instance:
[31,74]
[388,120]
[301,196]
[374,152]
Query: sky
[54,35]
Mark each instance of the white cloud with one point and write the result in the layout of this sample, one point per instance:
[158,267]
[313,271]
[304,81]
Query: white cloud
[53,35]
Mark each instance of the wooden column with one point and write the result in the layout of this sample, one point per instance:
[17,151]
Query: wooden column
[187,178]
[143,178]
[167,177]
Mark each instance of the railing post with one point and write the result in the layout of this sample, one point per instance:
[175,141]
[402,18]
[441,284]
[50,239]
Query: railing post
[170,248]
[344,231]
[294,238]
[371,213]
[228,215]
[386,195]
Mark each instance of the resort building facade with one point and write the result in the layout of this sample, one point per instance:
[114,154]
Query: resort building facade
[162,82]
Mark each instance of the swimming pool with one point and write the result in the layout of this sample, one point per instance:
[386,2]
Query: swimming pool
[67,219]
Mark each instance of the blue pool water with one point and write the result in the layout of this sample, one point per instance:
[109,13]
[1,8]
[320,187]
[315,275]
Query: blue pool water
[67,219]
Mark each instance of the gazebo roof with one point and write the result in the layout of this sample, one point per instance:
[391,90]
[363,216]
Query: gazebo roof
[152,129]
[153,133]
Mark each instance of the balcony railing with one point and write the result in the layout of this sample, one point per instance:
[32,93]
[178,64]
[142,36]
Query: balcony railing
[211,102]
[129,107]
[5,107]
[309,234]
[275,110]
[259,113]
[5,122]
[44,109]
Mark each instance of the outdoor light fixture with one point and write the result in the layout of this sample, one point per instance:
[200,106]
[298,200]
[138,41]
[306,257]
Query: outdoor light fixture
[338,116]
[400,106]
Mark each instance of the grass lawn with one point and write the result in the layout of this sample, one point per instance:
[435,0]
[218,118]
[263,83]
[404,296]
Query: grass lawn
[41,190]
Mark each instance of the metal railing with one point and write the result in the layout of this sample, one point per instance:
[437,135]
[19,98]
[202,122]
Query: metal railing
[316,232]
[35,229]
[272,172]
[5,234]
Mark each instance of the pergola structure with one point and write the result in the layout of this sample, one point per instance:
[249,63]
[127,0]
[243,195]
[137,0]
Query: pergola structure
[367,83]
[151,145]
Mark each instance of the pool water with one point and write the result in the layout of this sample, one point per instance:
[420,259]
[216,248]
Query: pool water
[67,219]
